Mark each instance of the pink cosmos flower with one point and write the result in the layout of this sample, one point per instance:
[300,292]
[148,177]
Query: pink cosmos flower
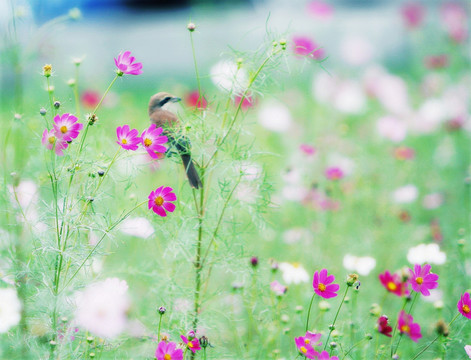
[307,149]
[153,142]
[467,348]
[383,326]
[393,283]
[126,65]
[127,139]
[90,99]
[323,286]
[67,127]
[193,99]
[455,20]
[278,288]
[304,46]
[248,101]
[406,326]
[50,141]
[422,279]
[320,9]
[193,345]
[334,173]
[404,153]
[325,356]
[160,200]
[304,348]
[312,338]
[413,14]
[436,61]
[168,351]
[464,305]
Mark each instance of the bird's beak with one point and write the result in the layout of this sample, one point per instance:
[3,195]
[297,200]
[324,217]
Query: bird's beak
[175,99]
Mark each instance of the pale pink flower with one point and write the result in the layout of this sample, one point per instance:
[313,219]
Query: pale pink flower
[413,14]
[126,65]
[51,141]
[304,46]
[278,288]
[320,9]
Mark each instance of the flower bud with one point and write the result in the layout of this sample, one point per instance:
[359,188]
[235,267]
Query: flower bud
[395,357]
[324,305]
[442,328]
[331,327]
[42,111]
[75,14]
[369,336]
[71,82]
[190,335]
[47,70]
[90,339]
[191,27]
[284,318]
[333,345]
[52,343]
[91,355]
[15,178]
[204,342]
[92,119]
[101,173]
[438,304]
[298,309]
[162,309]
[254,261]
[57,104]
[352,279]
[461,242]
[375,310]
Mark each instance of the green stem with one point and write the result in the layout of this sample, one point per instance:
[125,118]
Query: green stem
[395,327]
[160,323]
[354,346]
[309,311]
[410,311]
[76,91]
[198,82]
[336,315]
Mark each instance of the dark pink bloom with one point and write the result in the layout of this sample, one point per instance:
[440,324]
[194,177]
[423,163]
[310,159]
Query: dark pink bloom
[194,99]
[323,286]
[278,288]
[248,101]
[422,279]
[67,127]
[320,9]
[406,325]
[153,142]
[413,14]
[307,149]
[383,326]
[436,61]
[127,139]
[393,283]
[464,305]
[334,173]
[160,200]
[168,351]
[303,46]
[51,141]
[193,344]
[90,99]
[126,65]
[304,348]
[325,356]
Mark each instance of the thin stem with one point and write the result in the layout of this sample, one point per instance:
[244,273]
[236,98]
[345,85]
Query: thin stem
[76,91]
[309,311]
[336,315]
[160,323]
[198,82]
[395,327]
[354,346]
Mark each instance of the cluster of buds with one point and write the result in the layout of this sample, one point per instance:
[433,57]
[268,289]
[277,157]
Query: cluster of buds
[92,119]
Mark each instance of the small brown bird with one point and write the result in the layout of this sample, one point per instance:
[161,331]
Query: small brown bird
[171,125]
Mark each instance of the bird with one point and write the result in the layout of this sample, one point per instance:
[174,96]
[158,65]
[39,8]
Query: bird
[171,125]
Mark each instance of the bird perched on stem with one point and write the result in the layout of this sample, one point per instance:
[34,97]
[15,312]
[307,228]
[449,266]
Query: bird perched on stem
[178,143]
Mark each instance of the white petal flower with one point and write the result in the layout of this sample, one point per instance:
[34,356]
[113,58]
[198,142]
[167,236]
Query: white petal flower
[432,201]
[391,128]
[275,116]
[362,265]
[139,227]
[228,76]
[426,253]
[293,273]
[356,50]
[405,194]
[350,98]
[10,309]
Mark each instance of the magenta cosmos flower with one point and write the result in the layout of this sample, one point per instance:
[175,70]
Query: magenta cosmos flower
[383,326]
[51,141]
[305,348]
[406,325]
[303,46]
[193,345]
[67,127]
[127,139]
[464,305]
[194,99]
[422,279]
[323,286]
[159,200]
[393,283]
[413,14]
[126,65]
[168,351]
[334,173]
[325,356]
[153,142]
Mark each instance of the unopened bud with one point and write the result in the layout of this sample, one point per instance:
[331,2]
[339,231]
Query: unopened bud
[71,82]
[333,345]
[204,342]
[190,335]
[395,357]
[101,173]
[91,355]
[42,111]
[442,328]
[369,336]
[90,339]
[162,310]
[352,279]
[298,309]
[191,27]
[52,343]
[375,310]
[331,327]
[75,13]
[254,261]
[47,70]
[461,242]
[57,104]
[92,119]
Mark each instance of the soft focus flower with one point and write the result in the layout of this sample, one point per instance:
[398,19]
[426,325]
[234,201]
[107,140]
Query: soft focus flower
[393,283]
[320,9]
[160,200]
[278,288]
[294,235]
[467,348]
[102,307]
[293,273]
[362,265]
[404,153]
[413,14]
[194,99]
[406,326]
[304,348]
[168,351]
[127,139]
[383,326]
[349,98]
[436,61]
[307,149]
[304,46]
[51,141]
[322,284]
[391,128]
[334,173]
[405,194]
[275,116]
[312,339]
[390,90]
[356,50]
[193,345]
[455,20]
[10,309]
[228,76]
[422,279]
[247,102]
[426,253]
[126,65]
[139,227]
[66,126]
[464,305]
[90,99]
[325,356]
[153,142]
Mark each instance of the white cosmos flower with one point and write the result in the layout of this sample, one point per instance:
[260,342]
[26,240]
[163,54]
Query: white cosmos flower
[356,50]
[362,265]
[405,194]
[250,171]
[391,128]
[10,309]
[293,273]
[349,98]
[275,116]
[228,76]
[139,227]
[426,253]
[432,201]
[295,235]
[102,307]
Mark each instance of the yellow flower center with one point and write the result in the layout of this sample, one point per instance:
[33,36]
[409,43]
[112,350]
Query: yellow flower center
[321,287]
[190,344]
[419,280]
[159,200]
[392,286]
[63,129]
[303,349]
[52,139]
[405,328]
[124,141]
[296,265]
[147,142]
[307,341]
[167,357]
[466,309]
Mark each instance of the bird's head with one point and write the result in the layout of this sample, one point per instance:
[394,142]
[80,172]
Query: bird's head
[160,99]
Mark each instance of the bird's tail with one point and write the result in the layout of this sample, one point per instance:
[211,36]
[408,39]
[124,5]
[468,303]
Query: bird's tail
[191,172]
